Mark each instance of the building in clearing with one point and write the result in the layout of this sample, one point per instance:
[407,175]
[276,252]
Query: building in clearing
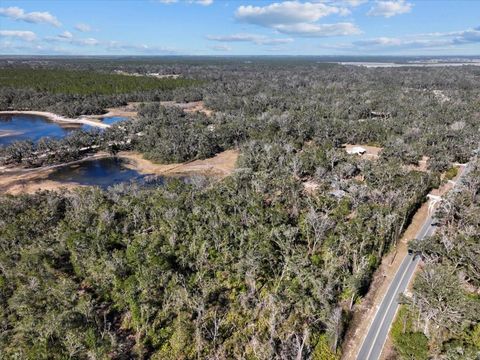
[357,150]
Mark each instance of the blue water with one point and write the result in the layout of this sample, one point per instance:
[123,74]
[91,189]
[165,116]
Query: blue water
[113,119]
[17,127]
[99,172]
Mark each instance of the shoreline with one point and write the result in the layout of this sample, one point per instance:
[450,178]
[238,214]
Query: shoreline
[85,120]
[16,181]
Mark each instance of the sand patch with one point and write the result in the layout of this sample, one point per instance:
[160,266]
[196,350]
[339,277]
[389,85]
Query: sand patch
[310,186]
[440,96]
[220,165]
[189,107]
[198,106]
[131,109]
[421,166]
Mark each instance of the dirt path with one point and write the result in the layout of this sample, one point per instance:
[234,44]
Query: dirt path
[364,312]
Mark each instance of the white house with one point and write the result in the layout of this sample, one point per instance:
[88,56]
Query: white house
[357,150]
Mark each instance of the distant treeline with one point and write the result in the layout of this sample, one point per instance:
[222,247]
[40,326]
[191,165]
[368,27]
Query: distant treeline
[84,82]
[84,92]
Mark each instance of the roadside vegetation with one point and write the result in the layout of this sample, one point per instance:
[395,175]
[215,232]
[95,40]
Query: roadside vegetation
[445,306]
[252,267]
[258,265]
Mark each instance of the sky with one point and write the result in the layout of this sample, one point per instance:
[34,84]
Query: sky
[240,27]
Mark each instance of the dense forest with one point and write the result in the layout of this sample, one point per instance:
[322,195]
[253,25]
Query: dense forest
[256,266]
[411,112]
[79,92]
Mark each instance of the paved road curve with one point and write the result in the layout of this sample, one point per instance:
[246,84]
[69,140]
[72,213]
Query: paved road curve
[377,335]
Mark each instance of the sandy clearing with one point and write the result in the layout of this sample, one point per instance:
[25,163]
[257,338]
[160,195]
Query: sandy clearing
[198,106]
[310,186]
[440,96]
[131,109]
[364,311]
[92,121]
[189,107]
[221,165]
[421,166]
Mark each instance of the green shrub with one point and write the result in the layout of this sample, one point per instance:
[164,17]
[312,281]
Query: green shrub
[451,173]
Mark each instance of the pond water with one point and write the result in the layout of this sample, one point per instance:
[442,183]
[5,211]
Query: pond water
[113,119]
[98,172]
[16,127]
[110,171]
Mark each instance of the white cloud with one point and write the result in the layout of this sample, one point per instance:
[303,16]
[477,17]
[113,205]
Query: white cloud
[300,19]
[345,3]
[220,48]
[388,43]
[203,2]
[353,2]
[288,12]
[472,35]
[30,48]
[431,40]
[18,34]
[198,2]
[115,47]
[66,35]
[319,30]
[86,42]
[253,38]
[16,13]
[83,27]
[390,8]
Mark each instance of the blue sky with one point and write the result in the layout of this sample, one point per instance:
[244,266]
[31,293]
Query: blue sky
[240,27]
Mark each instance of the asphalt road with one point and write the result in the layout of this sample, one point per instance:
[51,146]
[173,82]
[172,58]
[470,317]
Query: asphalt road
[377,335]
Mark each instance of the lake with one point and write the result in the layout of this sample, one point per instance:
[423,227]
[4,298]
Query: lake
[16,127]
[97,172]
[113,119]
